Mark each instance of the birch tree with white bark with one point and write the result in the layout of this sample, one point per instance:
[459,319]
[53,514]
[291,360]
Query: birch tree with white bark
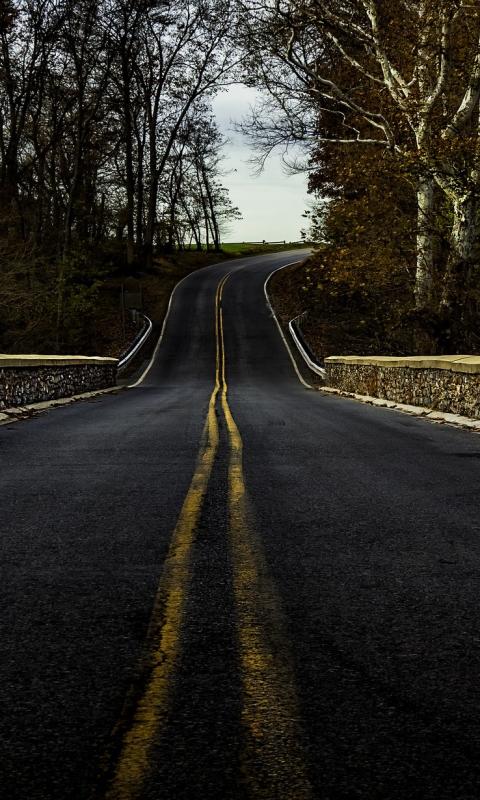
[402,75]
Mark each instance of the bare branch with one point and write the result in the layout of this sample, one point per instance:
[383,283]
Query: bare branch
[469,101]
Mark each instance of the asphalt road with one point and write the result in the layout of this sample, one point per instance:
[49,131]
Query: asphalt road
[221,584]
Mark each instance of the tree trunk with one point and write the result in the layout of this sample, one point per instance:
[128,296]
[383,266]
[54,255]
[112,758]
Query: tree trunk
[76,180]
[195,232]
[213,218]
[424,271]
[130,186]
[152,197]
[130,176]
[39,208]
[140,200]
[459,266]
[150,227]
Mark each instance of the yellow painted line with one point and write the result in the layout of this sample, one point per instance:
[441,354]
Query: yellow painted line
[163,641]
[273,759]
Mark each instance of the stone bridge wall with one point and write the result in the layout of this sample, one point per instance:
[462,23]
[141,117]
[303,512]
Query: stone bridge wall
[33,379]
[443,383]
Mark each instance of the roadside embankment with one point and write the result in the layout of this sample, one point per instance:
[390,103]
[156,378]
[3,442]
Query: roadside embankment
[36,378]
[442,383]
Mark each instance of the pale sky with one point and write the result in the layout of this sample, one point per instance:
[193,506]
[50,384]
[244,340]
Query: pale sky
[272,204]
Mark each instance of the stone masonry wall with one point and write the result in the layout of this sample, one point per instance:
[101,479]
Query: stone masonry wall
[439,389]
[22,385]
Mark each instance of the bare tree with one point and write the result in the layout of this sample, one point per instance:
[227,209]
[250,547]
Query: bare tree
[197,202]
[93,98]
[183,57]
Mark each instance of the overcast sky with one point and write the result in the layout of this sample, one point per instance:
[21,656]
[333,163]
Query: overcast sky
[272,204]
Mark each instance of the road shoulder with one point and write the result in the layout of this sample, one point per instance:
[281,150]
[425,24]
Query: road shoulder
[8,415]
[438,417]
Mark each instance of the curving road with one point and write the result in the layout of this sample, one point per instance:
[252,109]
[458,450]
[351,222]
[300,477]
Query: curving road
[221,584]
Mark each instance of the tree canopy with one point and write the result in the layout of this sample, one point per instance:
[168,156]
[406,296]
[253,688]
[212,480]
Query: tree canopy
[398,80]
[107,147]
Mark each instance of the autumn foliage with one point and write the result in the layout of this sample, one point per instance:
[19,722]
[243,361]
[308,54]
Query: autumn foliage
[384,95]
[358,288]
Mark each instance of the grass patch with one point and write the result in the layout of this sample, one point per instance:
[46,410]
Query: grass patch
[253,248]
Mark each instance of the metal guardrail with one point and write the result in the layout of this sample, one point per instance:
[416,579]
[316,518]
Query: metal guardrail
[303,347]
[137,343]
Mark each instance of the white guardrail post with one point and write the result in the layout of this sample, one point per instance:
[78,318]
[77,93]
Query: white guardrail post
[137,343]
[300,346]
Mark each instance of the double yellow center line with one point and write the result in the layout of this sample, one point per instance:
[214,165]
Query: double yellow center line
[272,756]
